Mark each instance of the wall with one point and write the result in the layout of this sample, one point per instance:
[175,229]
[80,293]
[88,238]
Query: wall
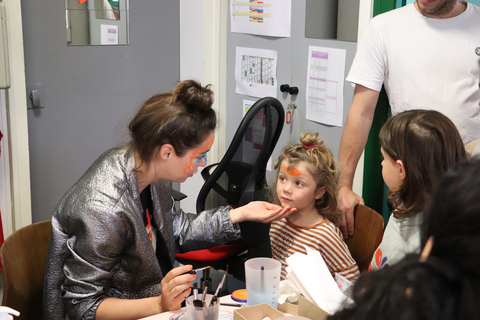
[203,47]
[91,92]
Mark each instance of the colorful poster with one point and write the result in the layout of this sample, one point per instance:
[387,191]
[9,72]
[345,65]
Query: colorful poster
[267,18]
[256,72]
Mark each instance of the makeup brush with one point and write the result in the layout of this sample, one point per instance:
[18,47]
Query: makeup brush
[215,296]
[196,302]
[194,271]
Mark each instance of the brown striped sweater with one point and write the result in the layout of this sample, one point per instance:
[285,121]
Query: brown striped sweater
[287,238]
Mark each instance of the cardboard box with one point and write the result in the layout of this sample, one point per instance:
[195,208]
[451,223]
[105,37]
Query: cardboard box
[304,308]
[257,312]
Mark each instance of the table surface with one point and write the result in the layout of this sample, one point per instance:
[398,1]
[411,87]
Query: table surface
[167,315]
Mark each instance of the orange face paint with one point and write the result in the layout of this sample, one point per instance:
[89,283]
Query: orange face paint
[206,146]
[292,171]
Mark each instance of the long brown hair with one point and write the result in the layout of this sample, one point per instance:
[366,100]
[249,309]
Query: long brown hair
[183,118]
[428,144]
[322,166]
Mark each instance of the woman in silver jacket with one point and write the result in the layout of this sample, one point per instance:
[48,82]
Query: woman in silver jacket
[101,263]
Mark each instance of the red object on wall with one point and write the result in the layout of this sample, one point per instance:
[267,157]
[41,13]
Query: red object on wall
[81,1]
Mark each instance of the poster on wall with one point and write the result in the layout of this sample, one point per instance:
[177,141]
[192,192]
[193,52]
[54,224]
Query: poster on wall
[266,18]
[325,78]
[256,72]
[254,136]
[4,176]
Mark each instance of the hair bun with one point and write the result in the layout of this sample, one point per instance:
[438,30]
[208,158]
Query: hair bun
[310,139]
[191,94]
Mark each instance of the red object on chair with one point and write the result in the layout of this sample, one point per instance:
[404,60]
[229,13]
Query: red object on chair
[213,254]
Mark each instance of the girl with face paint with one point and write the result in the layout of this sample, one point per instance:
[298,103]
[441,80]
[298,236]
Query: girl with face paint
[307,180]
[116,231]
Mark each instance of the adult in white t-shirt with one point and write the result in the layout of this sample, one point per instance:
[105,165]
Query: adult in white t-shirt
[426,54]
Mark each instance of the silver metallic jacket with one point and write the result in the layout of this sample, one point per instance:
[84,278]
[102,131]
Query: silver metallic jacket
[99,247]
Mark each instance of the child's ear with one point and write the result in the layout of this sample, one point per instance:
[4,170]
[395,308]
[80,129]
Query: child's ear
[401,170]
[165,152]
[319,193]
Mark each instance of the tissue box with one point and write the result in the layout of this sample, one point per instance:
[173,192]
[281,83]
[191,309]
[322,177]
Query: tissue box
[304,308]
[257,312]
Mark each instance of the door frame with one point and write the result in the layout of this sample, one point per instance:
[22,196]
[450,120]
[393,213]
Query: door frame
[19,202]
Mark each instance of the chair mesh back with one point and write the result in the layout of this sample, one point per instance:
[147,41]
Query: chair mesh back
[239,178]
[243,178]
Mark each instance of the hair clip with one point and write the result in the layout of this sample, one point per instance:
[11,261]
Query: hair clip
[309,147]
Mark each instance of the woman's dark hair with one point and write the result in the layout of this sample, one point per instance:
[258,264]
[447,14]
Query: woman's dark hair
[412,290]
[183,118]
[453,219]
[428,144]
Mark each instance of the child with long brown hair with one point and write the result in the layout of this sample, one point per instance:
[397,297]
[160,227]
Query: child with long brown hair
[307,180]
[418,147]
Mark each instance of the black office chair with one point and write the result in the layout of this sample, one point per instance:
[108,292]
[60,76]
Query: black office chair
[238,179]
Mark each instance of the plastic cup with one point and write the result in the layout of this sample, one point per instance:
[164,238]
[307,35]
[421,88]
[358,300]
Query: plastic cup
[262,277]
[205,313]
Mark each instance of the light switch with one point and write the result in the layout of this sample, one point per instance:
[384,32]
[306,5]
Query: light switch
[35,98]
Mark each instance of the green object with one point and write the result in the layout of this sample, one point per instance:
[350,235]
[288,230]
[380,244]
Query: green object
[373,192]
[381,6]
[114,3]
[374,189]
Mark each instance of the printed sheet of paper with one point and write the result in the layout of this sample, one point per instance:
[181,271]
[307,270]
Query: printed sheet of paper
[267,17]
[325,79]
[247,104]
[256,72]
[109,34]
[254,135]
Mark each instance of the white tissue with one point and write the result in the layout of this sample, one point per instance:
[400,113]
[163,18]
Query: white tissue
[287,292]
[311,276]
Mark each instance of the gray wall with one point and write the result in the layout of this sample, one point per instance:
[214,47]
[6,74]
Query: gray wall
[292,70]
[90,92]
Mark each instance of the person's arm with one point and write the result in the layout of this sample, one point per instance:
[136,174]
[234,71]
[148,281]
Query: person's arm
[220,225]
[260,211]
[353,142]
[175,288]
[470,147]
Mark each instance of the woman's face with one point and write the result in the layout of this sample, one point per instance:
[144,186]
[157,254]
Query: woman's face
[187,165]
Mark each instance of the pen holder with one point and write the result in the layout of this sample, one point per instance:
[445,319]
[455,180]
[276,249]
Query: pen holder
[206,313]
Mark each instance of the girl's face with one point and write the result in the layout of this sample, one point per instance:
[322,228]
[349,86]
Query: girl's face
[187,165]
[296,187]
[393,171]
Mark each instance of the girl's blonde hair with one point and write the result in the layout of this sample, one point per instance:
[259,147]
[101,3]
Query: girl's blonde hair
[321,165]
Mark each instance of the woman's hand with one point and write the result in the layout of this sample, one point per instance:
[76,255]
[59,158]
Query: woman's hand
[176,287]
[260,211]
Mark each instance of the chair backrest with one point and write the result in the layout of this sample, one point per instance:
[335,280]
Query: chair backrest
[367,235]
[23,256]
[240,176]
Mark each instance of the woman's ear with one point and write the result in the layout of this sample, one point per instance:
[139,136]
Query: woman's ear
[165,152]
[401,170]
[319,193]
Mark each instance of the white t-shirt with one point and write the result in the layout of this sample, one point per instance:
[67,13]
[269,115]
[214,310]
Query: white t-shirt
[425,63]
[401,237]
